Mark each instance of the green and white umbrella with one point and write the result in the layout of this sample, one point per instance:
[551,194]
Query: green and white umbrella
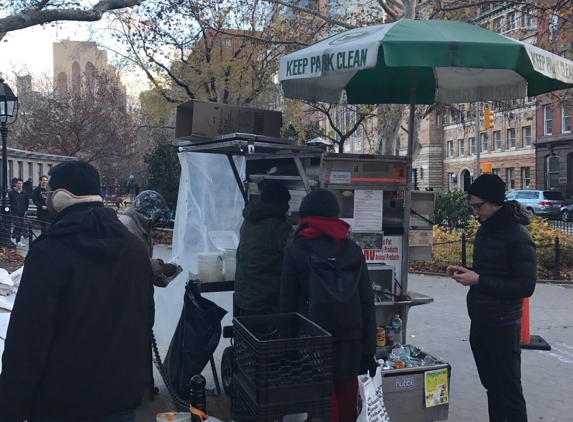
[420,62]
[456,62]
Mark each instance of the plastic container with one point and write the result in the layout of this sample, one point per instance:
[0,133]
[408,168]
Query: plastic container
[282,358]
[210,266]
[227,242]
[174,417]
[230,264]
[245,410]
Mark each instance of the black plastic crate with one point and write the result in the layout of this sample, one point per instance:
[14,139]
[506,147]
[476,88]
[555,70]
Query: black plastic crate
[282,358]
[245,410]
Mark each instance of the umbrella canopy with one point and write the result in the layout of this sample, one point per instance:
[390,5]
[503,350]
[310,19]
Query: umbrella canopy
[456,62]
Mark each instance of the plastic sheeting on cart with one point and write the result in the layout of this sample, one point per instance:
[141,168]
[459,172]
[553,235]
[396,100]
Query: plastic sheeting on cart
[208,200]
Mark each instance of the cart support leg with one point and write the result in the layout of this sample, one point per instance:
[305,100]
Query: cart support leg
[238,179]
[215,376]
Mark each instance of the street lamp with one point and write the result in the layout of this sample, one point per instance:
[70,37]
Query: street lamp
[8,114]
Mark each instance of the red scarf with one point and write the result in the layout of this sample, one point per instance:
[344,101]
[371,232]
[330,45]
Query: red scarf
[315,227]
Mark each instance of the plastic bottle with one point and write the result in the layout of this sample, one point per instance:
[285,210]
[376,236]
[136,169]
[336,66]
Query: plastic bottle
[397,328]
[198,394]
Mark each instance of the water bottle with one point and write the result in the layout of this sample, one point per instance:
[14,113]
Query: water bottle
[397,328]
[198,393]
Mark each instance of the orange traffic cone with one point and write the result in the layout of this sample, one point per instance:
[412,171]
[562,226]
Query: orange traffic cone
[527,340]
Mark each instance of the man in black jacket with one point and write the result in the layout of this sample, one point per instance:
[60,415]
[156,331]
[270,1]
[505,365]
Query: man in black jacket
[264,235]
[504,273]
[38,197]
[19,203]
[77,346]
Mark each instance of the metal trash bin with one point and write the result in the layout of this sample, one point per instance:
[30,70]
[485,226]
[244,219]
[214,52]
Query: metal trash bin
[406,394]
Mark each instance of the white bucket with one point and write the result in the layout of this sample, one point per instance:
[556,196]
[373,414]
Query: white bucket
[210,266]
[230,264]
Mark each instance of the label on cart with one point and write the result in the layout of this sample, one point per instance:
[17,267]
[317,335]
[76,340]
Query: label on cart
[436,387]
[340,176]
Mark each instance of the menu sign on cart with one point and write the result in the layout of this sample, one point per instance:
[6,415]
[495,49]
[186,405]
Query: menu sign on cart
[368,210]
[436,387]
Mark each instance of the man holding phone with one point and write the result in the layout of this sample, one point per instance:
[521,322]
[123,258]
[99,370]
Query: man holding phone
[504,273]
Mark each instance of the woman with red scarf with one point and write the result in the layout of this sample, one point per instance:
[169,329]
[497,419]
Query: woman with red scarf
[322,233]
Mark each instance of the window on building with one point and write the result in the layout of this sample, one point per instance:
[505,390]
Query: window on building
[497,172]
[510,138]
[497,25]
[50,167]
[347,147]
[20,169]
[497,140]
[452,116]
[438,120]
[566,111]
[547,120]
[451,181]
[526,133]
[553,172]
[525,178]
[528,18]
[483,141]
[10,171]
[450,148]
[512,20]
[31,170]
[510,179]
[358,146]
[472,146]
[462,112]
[226,42]
[554,26]
[460,147]
[359,127]
[40,170]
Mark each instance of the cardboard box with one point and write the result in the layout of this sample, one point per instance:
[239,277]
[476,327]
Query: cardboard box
[205,119]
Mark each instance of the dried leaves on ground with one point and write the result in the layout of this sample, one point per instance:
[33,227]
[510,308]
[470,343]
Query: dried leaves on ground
[162,237]
[10,259]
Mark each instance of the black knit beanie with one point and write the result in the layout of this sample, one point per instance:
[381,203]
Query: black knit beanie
[275,193]
[319,203]
[488,187]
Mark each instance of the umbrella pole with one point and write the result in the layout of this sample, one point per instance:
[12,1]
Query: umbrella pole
[408,193]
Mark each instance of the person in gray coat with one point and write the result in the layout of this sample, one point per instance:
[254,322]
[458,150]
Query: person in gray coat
[148,208]
[503,274]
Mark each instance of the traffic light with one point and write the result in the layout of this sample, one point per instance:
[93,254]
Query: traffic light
[488,119]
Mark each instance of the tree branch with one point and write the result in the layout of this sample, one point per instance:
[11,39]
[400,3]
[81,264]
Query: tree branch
[37,15]
[310,12]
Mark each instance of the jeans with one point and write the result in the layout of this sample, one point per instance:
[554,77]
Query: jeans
[125,416]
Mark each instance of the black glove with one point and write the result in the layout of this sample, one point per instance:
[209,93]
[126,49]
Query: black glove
[368,363]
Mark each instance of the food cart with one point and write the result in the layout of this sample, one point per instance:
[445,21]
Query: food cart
[371,192]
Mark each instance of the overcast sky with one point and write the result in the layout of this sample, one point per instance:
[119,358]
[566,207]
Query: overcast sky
[29,51]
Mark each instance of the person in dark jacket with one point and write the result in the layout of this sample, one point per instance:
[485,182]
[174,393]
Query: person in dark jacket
[19,203]
[322,233]
[263,238]
[132,188]
[504,273]
[42,213]
[78,341]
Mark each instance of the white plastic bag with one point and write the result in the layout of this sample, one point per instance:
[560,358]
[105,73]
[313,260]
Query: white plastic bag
[373,409]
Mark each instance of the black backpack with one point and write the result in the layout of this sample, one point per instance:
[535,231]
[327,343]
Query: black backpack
[334,299]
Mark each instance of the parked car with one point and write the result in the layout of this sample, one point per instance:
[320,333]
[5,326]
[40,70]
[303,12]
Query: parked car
[545,203]
[567,212]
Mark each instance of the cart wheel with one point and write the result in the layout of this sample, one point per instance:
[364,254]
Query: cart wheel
[227,370]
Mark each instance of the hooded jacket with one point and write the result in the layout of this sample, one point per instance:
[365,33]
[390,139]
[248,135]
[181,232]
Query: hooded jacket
[260,257]
[77,345]
[505,259]
[19,202]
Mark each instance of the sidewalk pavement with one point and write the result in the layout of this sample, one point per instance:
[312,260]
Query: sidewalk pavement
[442,329]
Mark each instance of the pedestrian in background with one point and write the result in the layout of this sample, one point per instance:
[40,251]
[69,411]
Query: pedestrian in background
[132,188]
[19,203]
[148,208]
[78,341]
[347,311]
[503,274]
[39,198]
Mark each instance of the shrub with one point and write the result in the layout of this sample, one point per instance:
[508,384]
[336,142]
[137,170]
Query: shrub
[452,208]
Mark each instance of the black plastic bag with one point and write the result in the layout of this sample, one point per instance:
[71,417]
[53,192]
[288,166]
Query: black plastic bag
[196,338]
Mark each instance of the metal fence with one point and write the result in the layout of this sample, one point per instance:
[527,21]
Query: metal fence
[554,260]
